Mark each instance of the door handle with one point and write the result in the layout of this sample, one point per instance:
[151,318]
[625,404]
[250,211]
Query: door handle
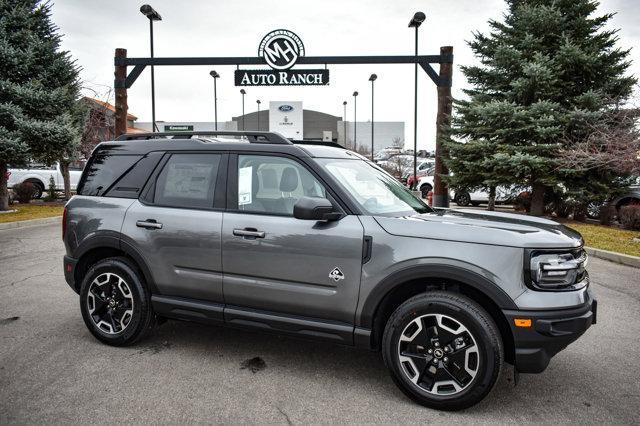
[149,224]
[249,233]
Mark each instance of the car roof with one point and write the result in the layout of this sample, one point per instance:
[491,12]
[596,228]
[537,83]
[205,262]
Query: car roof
[314,149]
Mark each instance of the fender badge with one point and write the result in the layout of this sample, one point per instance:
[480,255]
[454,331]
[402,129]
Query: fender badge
[336,274]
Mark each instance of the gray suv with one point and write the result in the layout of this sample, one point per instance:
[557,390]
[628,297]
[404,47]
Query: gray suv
[252,230]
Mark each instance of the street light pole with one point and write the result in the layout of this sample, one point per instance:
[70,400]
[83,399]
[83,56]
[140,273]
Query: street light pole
[215,76]
[344,124]
[243,92]
[372,78]
[150,13]
[355,122]
[418,18]
[258,102]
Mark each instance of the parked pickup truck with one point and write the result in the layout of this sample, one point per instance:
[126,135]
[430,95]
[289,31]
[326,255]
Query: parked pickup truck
[39,175]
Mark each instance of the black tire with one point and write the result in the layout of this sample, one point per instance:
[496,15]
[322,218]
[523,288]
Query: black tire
[482,330]
[140,319]
[463,199]
[38,189]
[424,190]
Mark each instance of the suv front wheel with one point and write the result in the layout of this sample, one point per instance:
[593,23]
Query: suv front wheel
[115,302]
[443,350]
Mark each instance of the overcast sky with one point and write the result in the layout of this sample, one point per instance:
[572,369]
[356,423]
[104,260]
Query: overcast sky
[93,29]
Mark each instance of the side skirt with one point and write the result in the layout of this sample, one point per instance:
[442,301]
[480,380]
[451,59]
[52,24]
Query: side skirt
[219,314]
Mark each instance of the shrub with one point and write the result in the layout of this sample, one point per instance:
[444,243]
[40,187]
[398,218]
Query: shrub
[522,202]
[51,191]
[24,192]
[629,217]
[607,214]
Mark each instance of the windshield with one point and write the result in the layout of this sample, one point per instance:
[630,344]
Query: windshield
[377,192]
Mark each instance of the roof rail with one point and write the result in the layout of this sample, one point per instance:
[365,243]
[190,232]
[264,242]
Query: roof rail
[317,142]
[254,137]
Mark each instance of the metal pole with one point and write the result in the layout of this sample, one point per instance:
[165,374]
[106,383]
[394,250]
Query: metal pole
[243,112]
[258,115]
[443,121]
[415,116]
[153,83]
[121,96]
[215,103]
[355,124]
[372,81]
[344,124]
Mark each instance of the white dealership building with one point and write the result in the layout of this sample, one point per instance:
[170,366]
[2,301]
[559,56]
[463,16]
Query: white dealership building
[293,121]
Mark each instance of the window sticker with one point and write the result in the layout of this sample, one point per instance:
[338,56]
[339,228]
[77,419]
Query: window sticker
[187,181]
[244,185]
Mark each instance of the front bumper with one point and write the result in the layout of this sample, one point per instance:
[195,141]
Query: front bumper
[549,333]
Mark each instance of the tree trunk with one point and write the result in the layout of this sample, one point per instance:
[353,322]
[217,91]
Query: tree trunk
[537,199]
[4,193]
[64,169]
[491,205]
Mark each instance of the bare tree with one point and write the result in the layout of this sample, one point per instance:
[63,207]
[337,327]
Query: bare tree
[99,124]
[611,144]
[363,150]
[398,143]
[397,165]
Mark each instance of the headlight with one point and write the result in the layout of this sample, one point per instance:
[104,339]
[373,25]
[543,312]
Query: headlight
[558,270]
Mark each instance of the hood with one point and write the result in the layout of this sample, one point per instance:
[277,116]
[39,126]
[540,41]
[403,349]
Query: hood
[493,228]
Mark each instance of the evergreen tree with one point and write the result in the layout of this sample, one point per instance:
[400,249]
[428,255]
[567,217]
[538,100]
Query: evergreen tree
[38,87]
[547,74]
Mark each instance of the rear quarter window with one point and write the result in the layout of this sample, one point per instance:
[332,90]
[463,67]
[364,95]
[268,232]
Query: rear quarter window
[104,169]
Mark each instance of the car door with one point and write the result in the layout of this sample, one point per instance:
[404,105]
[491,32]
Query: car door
[176,225]
[279,269]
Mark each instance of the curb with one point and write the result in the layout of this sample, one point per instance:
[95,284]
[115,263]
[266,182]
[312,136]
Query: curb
[33,222]
[612,256]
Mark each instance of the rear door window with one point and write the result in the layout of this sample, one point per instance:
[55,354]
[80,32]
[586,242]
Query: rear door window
[188,180]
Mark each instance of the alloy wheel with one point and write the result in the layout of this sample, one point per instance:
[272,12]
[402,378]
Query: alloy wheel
[438,354]
[110,303]
[463,199]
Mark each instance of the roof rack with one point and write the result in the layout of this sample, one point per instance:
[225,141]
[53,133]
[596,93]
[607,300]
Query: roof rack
[254,137]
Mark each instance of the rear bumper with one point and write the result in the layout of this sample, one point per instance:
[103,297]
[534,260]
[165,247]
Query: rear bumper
[69,268]
[549,333]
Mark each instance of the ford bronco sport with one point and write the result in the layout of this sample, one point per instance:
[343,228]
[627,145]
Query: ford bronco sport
[251,230]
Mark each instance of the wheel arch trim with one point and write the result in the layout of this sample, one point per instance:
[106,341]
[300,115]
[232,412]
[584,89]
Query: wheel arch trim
[382,290]
[111,241]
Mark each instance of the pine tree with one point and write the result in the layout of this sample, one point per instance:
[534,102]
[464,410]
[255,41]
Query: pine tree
[547,73]
[38,87]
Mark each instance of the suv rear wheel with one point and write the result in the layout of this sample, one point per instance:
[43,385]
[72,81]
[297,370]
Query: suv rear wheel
[115,302]
[443,350]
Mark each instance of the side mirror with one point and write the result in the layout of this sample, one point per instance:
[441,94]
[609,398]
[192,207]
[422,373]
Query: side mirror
[315,208]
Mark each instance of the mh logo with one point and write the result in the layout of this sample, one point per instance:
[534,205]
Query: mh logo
[281,49]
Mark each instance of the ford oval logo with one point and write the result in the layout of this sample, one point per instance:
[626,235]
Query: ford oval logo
[285,108]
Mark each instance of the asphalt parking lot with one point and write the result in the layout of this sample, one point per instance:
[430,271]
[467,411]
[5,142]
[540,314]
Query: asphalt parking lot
[53,370]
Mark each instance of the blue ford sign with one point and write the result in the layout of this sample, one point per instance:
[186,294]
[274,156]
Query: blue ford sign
[285,108]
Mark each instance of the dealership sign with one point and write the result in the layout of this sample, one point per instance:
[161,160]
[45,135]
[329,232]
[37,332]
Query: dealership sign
[178,127]
[281,50]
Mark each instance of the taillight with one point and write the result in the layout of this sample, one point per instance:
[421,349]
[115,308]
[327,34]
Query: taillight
[64,222]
